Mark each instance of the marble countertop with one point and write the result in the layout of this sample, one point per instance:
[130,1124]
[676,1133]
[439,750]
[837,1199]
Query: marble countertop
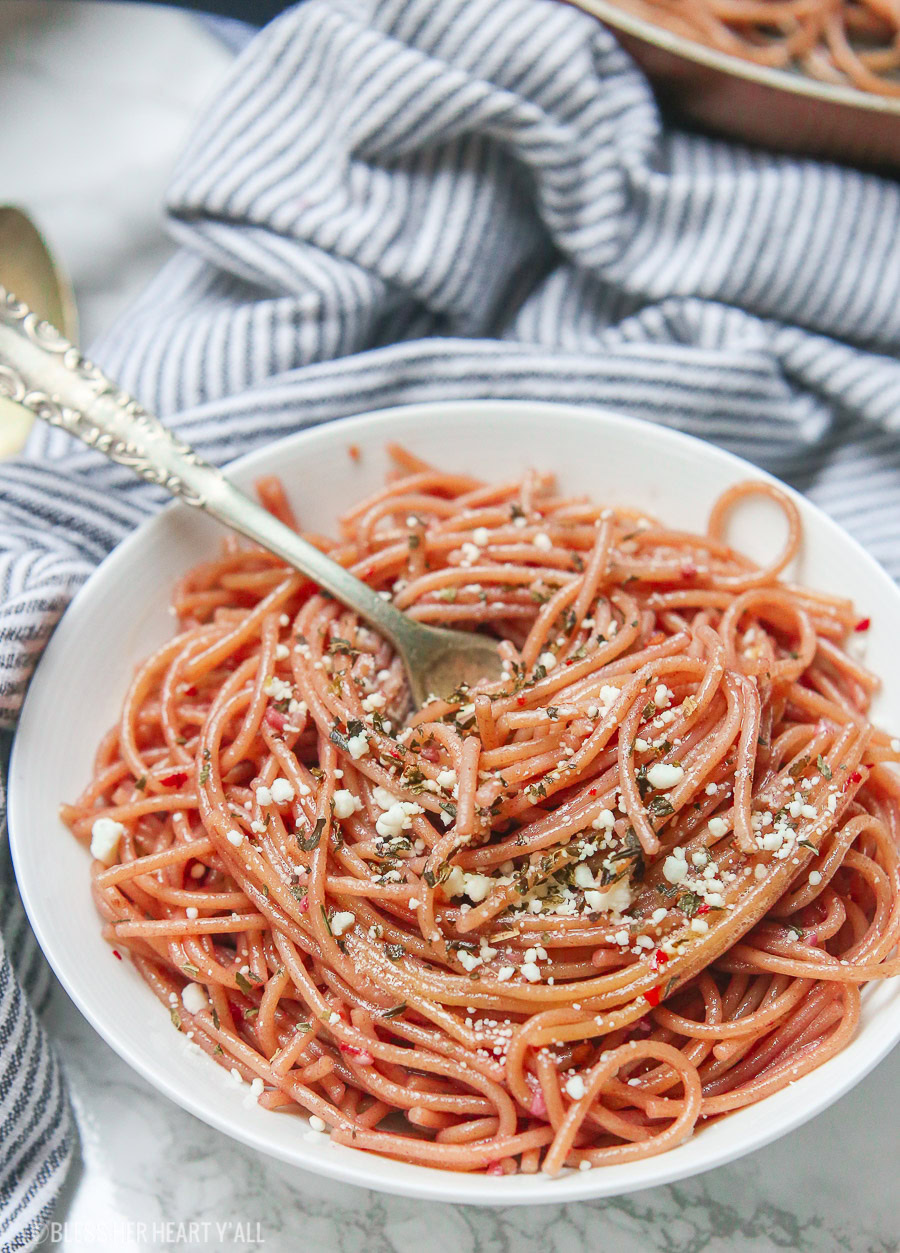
[831,1185]
[82,81]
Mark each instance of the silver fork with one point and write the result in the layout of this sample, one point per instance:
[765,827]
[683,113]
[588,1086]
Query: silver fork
[44,372]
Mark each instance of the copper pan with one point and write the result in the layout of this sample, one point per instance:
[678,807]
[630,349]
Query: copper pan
[776,108]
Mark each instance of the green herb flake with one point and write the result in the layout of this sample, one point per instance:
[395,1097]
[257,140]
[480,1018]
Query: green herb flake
[689,903]
[306,843]
[660,806]
[243,983]
[338,645]
[824,768]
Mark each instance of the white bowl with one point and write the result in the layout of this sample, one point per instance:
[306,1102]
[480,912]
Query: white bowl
[121,614]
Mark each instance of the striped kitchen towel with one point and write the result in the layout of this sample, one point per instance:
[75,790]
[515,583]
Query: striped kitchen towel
[411,200]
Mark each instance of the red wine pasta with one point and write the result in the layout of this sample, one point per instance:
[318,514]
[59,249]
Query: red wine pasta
[836,41]
[560,920]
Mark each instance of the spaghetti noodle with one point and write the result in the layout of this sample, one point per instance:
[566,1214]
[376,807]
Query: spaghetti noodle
[836,41]
[552,922]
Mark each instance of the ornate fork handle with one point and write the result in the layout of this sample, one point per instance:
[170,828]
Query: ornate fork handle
[44,372]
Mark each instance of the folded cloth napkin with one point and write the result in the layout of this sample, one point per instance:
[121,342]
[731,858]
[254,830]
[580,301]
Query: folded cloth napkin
[421,199]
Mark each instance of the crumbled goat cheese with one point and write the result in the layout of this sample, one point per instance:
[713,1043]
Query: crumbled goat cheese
[664,776]
[675,869]
[358,745]
[194,998]
[616,898]
[342,921]
[282,791]
[105,836]
[346,804]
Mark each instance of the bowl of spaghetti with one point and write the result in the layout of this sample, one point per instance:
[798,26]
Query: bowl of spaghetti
[618,918]
[804,76]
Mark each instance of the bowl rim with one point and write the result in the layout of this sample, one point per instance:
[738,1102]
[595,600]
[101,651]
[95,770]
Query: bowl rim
[355,1166]
[765,75]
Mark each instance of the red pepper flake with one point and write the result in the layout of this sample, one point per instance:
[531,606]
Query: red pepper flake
[538,1107]
[395,754]
[660,958]
[190,690]
[863,624]
[702,909]
[177,778]
[117,954]
[855,777]
[688,572]
[570,661]
[520,700]
[368,572]
[363,1057]
[652,997]
[592,792]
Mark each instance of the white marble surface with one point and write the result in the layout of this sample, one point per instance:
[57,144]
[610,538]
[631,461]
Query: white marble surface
[97,99]
[101,97]
[831,1185]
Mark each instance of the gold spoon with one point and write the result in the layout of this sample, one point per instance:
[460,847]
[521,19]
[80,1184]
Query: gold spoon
[42,371]
[27,266]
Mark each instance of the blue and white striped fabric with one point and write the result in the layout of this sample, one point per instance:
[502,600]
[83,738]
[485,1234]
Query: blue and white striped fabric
[36,1132]
[412,200]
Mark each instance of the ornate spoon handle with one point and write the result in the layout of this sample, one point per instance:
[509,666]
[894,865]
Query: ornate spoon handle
[44,372]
